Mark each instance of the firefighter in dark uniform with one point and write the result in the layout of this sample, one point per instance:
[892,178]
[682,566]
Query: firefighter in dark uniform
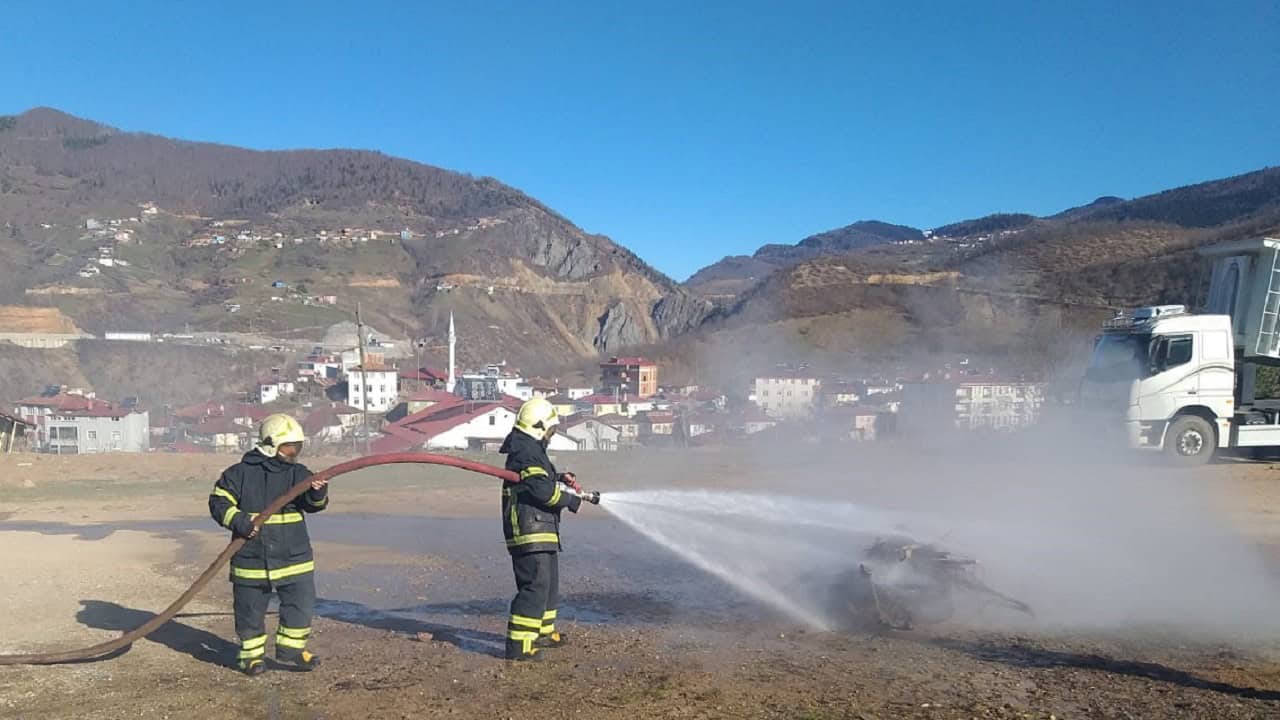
[277,557]
[531,524]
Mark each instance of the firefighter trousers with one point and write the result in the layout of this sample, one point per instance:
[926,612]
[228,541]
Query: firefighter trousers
[533,610]
[297,604]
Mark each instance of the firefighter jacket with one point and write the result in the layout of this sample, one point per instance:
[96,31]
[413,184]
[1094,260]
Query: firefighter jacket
[281,552]
[531,508]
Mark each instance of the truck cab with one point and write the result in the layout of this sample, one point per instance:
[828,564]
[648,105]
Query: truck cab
[1171,373]
[1183,381]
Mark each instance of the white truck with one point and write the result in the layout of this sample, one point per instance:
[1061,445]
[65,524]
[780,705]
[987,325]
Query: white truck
[1185,382]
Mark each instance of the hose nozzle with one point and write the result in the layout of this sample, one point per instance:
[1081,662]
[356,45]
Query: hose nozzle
[591,496]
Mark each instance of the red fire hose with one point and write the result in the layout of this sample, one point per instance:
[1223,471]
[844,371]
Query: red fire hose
[106,648]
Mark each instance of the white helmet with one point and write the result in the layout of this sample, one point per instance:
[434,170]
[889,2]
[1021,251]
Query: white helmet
[536,417]
[278,430]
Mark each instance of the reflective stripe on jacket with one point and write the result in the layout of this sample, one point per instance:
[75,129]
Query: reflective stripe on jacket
[531,508]
[281,552]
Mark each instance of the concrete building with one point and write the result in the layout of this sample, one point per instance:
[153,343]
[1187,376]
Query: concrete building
[970,404]
[786,395]
[629,376]
[98,430]
[380,385]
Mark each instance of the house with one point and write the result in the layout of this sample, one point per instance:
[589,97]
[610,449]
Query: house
[970,404]
[380,386]
[840,394]
[578,393]
[460,426]
[564,406]
[36,412]
[97,429]
[628,427]
[331,423]
[423,399]
[598,405]
[699,424]
[855,422]
[755,420]
[244,414]
[479,387]
[591,434]
[223,434]
[272,389]
[11,429]
[319,367]
[657,422]
[786,395]
[629,375]
[429,377]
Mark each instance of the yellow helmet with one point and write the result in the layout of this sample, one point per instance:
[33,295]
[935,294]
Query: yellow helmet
[278,430]
[536,417]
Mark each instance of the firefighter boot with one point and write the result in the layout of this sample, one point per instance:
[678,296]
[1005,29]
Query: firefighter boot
[551,640]
[516,652]
[253,667]
[305,660]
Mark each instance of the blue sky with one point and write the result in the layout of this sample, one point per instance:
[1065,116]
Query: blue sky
[692,130]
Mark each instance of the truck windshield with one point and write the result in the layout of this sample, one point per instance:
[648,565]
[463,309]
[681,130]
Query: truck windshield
[1119,357]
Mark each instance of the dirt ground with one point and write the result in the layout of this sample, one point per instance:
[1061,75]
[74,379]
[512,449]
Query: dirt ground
[414,609]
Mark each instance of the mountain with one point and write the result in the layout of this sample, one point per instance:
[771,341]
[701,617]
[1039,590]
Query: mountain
[1013,290]
[202,228]
[733,274]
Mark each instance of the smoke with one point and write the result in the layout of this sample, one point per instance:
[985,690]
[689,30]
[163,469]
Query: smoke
[1092,541]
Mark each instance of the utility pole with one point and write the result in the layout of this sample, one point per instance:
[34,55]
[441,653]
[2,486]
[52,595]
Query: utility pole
[417,362]
[364,381]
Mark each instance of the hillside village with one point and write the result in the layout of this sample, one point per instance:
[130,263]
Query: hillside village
[381,405]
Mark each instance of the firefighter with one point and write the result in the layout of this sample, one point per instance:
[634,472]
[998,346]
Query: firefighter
[277,557]
[531,524]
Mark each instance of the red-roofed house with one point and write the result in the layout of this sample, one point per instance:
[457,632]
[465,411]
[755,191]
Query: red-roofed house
[98,429]
[70,423]
[462,426]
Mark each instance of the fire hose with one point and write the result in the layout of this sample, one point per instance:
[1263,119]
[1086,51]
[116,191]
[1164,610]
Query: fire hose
[106,648]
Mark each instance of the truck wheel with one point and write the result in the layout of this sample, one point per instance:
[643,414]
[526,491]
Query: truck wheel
[1190,441]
